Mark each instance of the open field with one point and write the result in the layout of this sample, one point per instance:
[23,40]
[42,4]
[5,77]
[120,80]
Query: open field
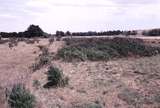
[128,82]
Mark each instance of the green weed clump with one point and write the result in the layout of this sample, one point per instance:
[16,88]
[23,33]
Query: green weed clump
[55,78]
[19,97]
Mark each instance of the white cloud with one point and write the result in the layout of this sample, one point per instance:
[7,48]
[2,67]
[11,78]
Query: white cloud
[8,16]
[136,1]
[71,3]
[80,15]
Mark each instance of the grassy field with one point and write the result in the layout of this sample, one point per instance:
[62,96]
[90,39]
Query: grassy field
[89,73]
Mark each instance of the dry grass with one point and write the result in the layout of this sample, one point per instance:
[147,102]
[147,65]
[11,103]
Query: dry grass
[122,83]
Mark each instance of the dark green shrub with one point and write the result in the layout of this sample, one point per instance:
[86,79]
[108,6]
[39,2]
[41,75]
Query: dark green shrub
[54,75]
[19,97]
[105,49]
[127,46]
[72,53]
[55,78]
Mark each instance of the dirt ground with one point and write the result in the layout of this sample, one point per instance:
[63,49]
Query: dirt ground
[121,83]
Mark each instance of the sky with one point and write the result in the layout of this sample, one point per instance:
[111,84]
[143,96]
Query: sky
[79,15]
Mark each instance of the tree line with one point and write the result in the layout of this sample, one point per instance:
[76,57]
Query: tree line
[94,33]
[152,32]
[32,31]
[36,31]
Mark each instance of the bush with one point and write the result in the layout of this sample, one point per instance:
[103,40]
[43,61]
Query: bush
[21,98]
[51,40]
[55,78]
[33,31]
[105,49]
[43,59]
[72,53]
[12,42]
[126,47]
[82,54]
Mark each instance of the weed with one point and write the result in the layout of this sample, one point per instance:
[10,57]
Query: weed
[19,97]
[55,78]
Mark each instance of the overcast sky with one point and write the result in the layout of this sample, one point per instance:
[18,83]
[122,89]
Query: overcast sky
[79,15]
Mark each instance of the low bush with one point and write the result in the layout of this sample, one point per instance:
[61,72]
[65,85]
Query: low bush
[55,78]
[126,47]
[43,59]
[87,105]
[19,97]
[105,49]
[12,42]
[36,83]
[51,40]
[72,53]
